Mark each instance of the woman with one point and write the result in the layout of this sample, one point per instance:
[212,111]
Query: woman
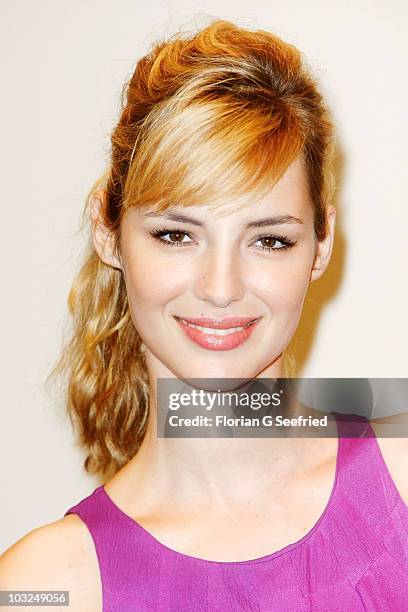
[214,215]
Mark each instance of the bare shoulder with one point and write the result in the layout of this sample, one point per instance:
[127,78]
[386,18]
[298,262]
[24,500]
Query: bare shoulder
[56,556]
[392,437]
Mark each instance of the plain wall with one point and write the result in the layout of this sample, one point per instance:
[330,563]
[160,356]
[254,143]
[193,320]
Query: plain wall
[64,64]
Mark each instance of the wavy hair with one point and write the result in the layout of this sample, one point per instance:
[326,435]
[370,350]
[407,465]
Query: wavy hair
[211,117]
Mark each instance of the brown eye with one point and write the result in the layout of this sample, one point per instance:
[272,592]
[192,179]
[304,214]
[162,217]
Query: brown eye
[268,242]
[275,243]
[176,236]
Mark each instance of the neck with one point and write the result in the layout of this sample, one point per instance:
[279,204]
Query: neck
[227,470]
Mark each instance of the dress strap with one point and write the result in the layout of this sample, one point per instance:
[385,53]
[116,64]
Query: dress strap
[353,425]
[364,478]
[126,556]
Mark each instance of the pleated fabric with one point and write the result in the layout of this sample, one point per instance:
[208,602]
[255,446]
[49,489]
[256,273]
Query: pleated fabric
[354,558]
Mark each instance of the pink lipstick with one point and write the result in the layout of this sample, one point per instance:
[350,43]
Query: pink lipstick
[218,334]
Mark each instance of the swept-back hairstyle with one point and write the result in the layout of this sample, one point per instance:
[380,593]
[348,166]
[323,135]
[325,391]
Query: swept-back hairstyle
[213,117]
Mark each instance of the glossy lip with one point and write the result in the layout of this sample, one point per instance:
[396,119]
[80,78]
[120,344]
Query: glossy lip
[213,342]
[226,323]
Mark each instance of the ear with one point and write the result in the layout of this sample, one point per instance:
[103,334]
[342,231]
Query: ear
[324,247]
[103,238]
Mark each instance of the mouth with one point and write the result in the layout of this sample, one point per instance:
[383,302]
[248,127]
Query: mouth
[218,334]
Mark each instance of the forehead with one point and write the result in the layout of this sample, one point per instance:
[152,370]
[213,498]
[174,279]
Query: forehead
[289,197]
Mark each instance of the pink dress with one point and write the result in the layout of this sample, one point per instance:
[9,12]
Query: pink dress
[354,558]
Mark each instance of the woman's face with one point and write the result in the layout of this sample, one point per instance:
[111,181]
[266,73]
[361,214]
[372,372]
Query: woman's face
[254,264]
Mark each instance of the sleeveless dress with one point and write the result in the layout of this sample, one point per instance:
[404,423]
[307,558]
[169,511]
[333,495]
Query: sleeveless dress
[354,558]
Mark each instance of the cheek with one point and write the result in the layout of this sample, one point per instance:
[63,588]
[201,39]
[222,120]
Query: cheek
[152,281]
[282,284]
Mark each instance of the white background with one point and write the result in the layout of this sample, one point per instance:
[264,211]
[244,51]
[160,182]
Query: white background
[63,67]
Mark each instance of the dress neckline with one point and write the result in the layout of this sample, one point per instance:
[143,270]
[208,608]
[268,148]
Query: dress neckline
[286,549]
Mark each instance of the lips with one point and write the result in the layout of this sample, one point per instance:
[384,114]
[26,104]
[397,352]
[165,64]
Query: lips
[218,334]
[226,323]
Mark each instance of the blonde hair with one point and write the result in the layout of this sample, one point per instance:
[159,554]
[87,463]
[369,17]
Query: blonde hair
[214,117]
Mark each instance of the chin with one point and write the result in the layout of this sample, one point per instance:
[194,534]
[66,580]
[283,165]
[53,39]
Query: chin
[216,383]
[216,377]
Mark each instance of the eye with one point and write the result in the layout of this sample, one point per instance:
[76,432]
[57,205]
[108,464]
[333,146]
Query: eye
[275,243]
[176,237]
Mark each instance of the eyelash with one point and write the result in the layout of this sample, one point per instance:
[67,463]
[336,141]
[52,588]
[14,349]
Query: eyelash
[159,233]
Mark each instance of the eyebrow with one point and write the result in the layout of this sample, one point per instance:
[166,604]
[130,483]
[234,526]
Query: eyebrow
[181,218]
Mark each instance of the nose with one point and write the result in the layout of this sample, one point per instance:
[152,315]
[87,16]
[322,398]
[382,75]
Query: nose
[219,277]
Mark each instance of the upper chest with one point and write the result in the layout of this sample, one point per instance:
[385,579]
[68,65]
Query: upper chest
[251,532]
